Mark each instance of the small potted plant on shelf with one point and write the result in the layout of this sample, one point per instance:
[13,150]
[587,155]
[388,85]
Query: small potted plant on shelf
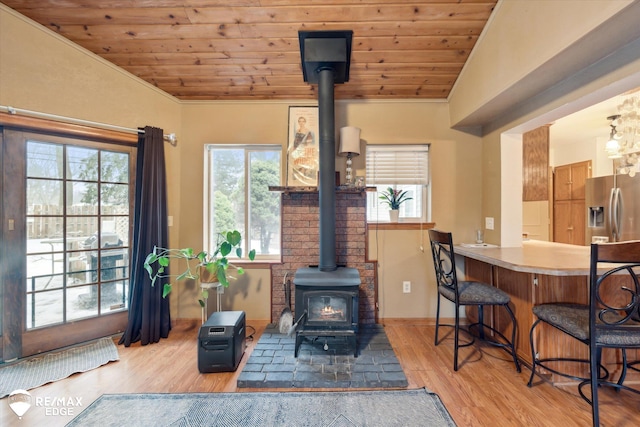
[394,198]
[214,263]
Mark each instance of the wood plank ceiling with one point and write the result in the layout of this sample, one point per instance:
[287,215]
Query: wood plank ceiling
[249,50]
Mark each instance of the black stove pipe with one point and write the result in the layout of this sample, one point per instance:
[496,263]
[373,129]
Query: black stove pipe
[326,184]
[326,56]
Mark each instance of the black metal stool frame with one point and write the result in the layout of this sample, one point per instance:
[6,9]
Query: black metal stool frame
[612,324]
[542,363]
[449,288]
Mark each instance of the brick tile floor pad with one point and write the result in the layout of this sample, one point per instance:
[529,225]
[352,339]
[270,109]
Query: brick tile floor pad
[272,363]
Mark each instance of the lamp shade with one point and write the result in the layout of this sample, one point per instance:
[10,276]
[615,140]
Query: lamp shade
[349,141]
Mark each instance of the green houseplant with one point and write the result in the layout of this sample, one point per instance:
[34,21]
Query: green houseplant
[394,198]
[214,263]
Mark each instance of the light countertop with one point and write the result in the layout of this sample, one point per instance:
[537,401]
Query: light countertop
[556,259]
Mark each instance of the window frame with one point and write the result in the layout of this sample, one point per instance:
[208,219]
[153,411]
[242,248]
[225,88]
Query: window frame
[424,182]
[13,300]
[207,210]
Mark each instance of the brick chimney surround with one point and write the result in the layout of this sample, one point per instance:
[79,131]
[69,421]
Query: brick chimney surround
[300,215]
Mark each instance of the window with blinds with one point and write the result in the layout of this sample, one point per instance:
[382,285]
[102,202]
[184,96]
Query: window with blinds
[404,168]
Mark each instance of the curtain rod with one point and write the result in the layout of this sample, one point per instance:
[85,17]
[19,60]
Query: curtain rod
[170,138]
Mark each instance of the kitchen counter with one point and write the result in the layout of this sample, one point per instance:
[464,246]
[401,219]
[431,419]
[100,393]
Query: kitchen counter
[556,259]
[536,273]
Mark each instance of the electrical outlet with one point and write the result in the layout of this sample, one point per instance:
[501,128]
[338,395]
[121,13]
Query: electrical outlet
[406,287]
[488,223]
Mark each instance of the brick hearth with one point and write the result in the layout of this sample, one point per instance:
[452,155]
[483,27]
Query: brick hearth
[300,245]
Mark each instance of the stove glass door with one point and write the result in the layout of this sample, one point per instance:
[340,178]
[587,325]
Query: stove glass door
[328,307]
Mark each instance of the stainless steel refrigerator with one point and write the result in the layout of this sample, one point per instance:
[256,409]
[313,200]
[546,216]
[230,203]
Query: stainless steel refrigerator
[613,208]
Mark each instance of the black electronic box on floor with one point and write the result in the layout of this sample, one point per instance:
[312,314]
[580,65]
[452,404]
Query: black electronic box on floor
[221,342]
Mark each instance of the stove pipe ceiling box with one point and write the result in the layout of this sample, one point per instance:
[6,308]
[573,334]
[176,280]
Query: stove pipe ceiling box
[325,50]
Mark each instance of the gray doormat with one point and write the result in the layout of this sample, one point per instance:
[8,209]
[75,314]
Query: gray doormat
[36,371]
[354,408]
[272,363]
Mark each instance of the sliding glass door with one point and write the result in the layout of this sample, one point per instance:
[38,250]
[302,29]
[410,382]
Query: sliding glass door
[70,214]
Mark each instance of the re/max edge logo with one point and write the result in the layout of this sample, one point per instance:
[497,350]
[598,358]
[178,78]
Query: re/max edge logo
[20,401]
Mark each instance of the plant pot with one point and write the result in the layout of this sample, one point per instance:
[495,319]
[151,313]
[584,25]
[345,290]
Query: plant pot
[393,215]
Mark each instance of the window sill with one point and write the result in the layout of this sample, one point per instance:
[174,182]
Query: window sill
[256,265]
[400,225]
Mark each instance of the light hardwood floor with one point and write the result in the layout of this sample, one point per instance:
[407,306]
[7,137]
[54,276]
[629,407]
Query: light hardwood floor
[486,390]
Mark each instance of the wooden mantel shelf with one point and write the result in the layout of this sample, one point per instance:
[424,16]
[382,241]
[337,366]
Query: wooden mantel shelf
[339,189]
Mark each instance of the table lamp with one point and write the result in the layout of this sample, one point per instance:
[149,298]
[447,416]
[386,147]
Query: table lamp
[349,147]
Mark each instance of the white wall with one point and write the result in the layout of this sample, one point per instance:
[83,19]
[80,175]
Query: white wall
[511,213]
[530,45]
[564,154]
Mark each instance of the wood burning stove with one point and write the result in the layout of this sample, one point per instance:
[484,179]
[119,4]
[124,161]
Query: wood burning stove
[327,304]
[327,296]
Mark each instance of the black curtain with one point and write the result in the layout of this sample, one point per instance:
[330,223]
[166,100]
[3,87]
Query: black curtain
[149,317]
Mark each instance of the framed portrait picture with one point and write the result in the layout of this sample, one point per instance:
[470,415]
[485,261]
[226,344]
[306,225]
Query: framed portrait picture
[303,153]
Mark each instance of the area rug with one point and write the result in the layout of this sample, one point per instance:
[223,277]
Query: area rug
[323,363]
[40,370]
[356,408]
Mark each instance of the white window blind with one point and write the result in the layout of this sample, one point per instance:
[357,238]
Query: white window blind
[403,168]
[397,165]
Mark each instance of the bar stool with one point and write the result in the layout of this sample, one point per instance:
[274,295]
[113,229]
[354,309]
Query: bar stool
[610,320]
[464,293]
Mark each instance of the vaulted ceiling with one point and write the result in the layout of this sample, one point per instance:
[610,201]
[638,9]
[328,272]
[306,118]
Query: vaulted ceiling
[249,49]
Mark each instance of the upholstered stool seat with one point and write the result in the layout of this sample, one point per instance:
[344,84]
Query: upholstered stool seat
[572,319]
[476,293]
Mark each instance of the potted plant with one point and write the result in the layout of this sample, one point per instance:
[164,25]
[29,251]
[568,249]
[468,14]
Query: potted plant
[215,263]
[394,198]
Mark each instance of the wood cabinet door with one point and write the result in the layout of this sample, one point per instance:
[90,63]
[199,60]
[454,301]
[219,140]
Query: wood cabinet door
[562,221]
[562,183]
[579,174]
[569,222]
[569,216]
[569,180]
[578,222]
